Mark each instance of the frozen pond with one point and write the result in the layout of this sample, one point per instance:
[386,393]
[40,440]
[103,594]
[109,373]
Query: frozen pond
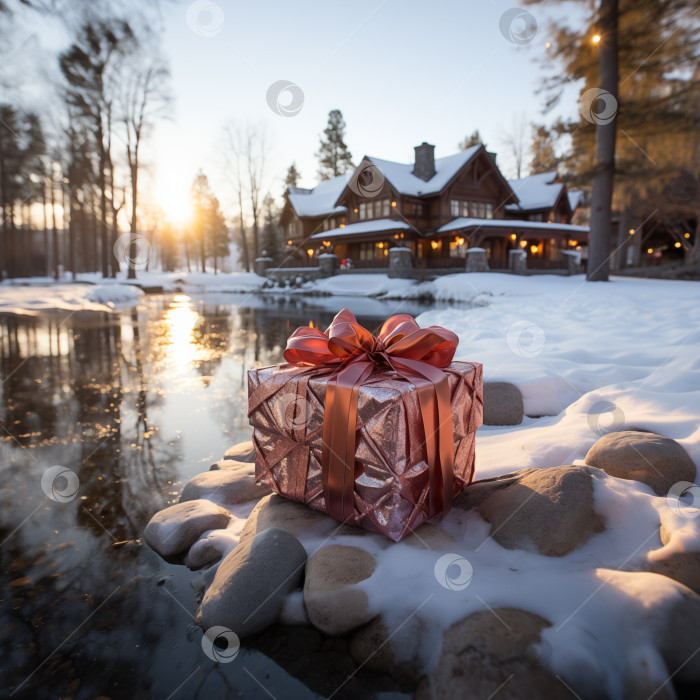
[134,402]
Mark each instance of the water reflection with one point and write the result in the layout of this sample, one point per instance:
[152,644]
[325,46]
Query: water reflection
[134,402]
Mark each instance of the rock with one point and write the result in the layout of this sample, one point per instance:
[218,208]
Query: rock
[548,510]
[657,461]
[503,404]
[231,464]
[276,511]
[671,614]
[429,536]
[226,486]
[242,452]
[378,648]
[493,654]
[334,605]
[251,583]
[203,553]
[683,567]
[174,530]
[478,491]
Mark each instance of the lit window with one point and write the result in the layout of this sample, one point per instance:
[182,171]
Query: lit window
[489,210]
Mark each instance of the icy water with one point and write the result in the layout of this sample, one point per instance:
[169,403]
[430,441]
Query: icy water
[133,402]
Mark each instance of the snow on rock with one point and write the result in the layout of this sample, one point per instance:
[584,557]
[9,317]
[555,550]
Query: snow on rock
[225,485]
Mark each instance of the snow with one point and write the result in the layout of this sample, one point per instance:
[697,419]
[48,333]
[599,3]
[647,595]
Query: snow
[535,192]
[31,295]
[364,227]
[363,285]
[401,177]
[319,201]
[43,294]
[469,222]
[575,199]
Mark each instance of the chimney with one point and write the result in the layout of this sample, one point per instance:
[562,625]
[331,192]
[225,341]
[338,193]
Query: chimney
[424,165]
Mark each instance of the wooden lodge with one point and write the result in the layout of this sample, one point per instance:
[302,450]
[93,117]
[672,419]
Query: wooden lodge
[436,207]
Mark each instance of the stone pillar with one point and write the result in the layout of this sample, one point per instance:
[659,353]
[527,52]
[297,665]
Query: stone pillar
[327,264]
[400,262]
[476,260]
[261,265]
[573,261]
[517,261]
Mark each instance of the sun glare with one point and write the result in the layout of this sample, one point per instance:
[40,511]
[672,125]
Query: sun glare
[174,198]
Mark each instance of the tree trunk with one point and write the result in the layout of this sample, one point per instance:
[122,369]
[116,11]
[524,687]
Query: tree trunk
[102,184]
[54,230]
[47,267]
[602,189]
[71,232]
[134,203]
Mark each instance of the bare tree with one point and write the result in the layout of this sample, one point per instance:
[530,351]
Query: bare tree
[256,156]
[234,167]
[144,99]
[515,142]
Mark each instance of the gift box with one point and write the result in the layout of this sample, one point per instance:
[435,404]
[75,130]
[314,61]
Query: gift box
[377,432]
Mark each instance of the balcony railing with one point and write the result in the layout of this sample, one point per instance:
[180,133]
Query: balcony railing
[440,262]
[539,264]
[296,262]
[383,262]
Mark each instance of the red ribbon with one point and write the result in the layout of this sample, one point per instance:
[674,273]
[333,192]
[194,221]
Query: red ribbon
[416,354]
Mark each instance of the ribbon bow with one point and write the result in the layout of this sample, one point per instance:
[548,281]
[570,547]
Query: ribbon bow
[416,354]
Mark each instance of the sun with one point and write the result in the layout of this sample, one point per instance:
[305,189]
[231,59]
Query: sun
[173,196]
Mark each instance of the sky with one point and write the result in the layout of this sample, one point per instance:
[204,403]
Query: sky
[401,72]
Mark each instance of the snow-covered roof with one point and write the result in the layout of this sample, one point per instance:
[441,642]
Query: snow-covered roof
[319,201]
[536,191]
[371,226]
[575,199]
[401,177]
[464,222]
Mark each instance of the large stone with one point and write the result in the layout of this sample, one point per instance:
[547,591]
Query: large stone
[503,404]
[203,553]
[482,489]
[334,603]
[548,510]
[231,465]
[225,485]
[683,567]
[671,612]
[379,648]
[251,583]
[174,530]
[242,452]
[494,654]
[276,511]
[652,459]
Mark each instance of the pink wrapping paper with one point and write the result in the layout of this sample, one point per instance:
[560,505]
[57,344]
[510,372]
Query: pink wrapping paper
[391,472]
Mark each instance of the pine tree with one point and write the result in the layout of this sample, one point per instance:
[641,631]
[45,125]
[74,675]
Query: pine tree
[293,177]
[544,157]
[208,228]
[334,158]
[648,140]
[474,139]
[271,233]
